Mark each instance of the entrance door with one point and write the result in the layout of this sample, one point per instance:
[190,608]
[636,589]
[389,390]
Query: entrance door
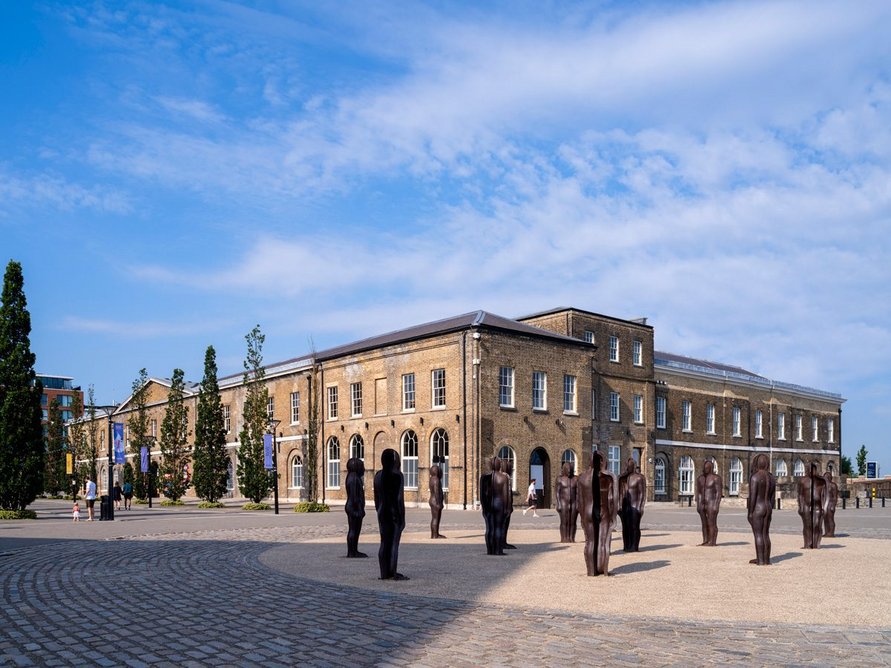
[540,469]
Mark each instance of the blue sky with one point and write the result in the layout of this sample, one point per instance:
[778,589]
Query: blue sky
[172,174]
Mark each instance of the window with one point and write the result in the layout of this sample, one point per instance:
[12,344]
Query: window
[736,469]
[815,428]
[637,353]
[638,408]
[759,424]
[230,477]
[45,414]
[295,407]
[539,391]
[660,412]
[44,400]
[410,459]
[439,450]
[714,465]
[659,477]
[332,402]
[297,473]
[781,426]
[830,430]
[227,420]
[153,425]
[355,399]
[798,468]
[569,400]
[506,387]
[780,470]
[270,408]
[614,349]
[737,421]
[614,407]
[439,389]
[408,392]
[64,399]
[589,336]
[685,476]
[614,456]
[506,454]
[333,462]
[687,415]
[710,419]
[568,457]
[357,447]
[799,429]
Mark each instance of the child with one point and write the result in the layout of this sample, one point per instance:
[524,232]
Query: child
[76,513]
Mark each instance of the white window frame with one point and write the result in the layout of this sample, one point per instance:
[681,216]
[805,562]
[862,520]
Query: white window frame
[780,468]
[438,387]
[357,447]
[659,479]
[296,472]
[709,418]
[759,424]
[799,428]
[356,399]
[638,409]
[270,407]
[613,348]
[439,446]
[332,479]
[815,427]
[637,352]
[798,468]
[830,429]
[737,421]
[570,401]
[589,336]
[506,387]
[735,479]
[539,391]
[506,453]
[227,418]
[614,458]
[661,404]
[409,397]
[295,407]
[686,475]
[568,457]
[408,445]
[615,414]
[686,415]
[781,426]
[331,394]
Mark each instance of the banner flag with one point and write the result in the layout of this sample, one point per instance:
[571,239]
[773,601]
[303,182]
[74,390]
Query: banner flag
[119,456]
[69,463]
[144,459]
[267,451]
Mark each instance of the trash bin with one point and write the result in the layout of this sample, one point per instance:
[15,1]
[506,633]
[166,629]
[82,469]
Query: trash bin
[104,507]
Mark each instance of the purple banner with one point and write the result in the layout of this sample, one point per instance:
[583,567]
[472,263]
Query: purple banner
[119,456]
[144,459]
[267,451]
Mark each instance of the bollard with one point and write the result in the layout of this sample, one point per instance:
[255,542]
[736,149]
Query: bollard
[689,502]
[843,502]
[883,502]
[870,502]
[857,501]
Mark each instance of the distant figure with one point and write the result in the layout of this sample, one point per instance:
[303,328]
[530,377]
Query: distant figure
[531,499]
[762,487]
[494,494]
[566,502]
[90,497]
[436,500]
[389,501]
[709,488]
[598,508]
[117,495]
[75,513]
[633,496]
[508,468]
[128,495]
[811,497]
[829,503]
[355,504]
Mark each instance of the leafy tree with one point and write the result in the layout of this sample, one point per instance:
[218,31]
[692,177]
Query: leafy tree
[253,479]
[210,457]
[54,477]
[92,436]
[175,450]
[128,474]
[846,467]
[77,443]
[138,423]
[311,443]
[861,460]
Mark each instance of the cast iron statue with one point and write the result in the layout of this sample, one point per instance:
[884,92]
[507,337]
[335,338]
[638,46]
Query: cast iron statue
[494,499]
[633,495]
[508,468]
[355,504]
[389,501]
[709,488]
[436,500]
[762,488]
[598,508]
[811,497]
[567,502]
[829,503]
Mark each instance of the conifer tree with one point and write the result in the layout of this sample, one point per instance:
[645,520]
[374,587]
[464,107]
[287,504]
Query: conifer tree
[21,433]
[138,424]
[254,480]
[92,436]
[54,475]
[77,444]
[210,457]
[175,450]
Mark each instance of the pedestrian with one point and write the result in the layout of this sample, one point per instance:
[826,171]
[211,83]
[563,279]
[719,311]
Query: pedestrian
[531,500]
[90,496]
[76,513]
[128,495]
[117,494]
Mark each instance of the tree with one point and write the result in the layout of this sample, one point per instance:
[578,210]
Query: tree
[54,474]
[138,423]
[846,467]
[92,436]
[253,479]
[21,433]
[311,443]
[211,461]
[77,443]
[175,450]
[861,460]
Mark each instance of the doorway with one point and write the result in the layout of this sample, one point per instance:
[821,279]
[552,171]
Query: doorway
[540,469]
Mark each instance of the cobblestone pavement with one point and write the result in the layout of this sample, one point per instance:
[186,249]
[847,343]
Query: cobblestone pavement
[202,598]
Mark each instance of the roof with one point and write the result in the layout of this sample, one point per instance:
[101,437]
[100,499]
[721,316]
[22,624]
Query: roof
[639,322]
[704,364]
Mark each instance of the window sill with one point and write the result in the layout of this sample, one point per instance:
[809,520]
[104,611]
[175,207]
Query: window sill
[539,410]
[638,422]
[711,433]
[409,410]
[614,420]
[437,408]
[686,431]
[504,407]
[332,489]
[571,413]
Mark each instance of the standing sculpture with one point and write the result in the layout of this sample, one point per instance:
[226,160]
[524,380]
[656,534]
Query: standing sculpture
[829,503]
[436,500]
[389,501]
[598,508]
[355,504]
[811,496]
[567,502]
[633,496]
[762,487]
[709,488]
[494,493]
[508,467]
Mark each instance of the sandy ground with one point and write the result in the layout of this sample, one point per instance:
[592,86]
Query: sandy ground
[846,581]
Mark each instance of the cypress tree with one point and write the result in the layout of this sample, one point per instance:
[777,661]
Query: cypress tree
[54,476]
[21,434]
[175,451]
[210,457]
[253,479]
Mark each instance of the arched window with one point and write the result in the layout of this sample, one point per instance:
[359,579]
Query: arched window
[439,453]
[714,465]
[659,486]
[780,470]
[333,462]
[685,476]
[230,477]
[798,468]
[568,457]
[297,472]
[736,471]
[410,459]
[103,480]
[357,447]
[506,454]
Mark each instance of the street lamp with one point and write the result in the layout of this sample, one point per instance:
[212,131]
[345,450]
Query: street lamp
[273,424]
[109,505]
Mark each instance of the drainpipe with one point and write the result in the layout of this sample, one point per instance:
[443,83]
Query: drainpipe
[322,430]
[464,405]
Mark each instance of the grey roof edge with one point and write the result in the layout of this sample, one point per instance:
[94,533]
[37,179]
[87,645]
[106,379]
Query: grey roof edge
[552,311]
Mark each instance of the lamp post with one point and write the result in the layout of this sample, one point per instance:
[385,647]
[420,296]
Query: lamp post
[147,476]
[273,424]
[109,505]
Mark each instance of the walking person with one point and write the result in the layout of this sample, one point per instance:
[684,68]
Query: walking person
[90,497]
[75,513]
[128,495]
[116,495]
[531,500]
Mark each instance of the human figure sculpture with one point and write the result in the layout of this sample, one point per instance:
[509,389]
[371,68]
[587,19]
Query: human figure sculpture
[355,504]
[811,497]
[709,488]
[829,503]
[436,500]
[598,508]
[567,489]
[508,467]
[762,487]
[633,496]
[389,501]
[494,494]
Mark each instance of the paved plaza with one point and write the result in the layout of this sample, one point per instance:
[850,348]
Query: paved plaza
[185,587]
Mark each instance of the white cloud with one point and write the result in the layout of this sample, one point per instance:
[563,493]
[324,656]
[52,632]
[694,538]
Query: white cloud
[50,190]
